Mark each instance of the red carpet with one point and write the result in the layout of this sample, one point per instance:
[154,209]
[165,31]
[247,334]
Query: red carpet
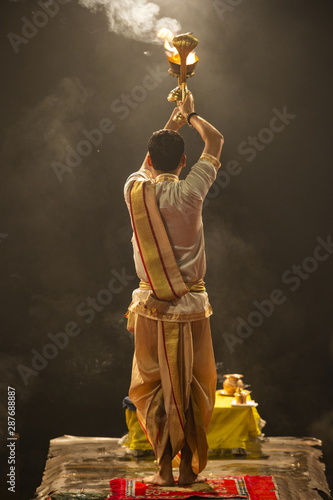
[247,487]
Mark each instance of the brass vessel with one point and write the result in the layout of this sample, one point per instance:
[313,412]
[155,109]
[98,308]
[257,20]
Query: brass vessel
[232,382]
[184,44]
[241,396]
[174,69]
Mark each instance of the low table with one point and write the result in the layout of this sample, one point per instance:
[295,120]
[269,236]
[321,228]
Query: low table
[232,426]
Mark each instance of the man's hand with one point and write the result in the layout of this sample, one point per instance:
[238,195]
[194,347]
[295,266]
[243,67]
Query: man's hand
[187,107]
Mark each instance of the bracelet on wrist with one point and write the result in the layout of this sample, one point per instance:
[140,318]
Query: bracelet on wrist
[189,117]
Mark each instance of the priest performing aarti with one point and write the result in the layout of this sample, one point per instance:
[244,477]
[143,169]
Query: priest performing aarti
[173,374]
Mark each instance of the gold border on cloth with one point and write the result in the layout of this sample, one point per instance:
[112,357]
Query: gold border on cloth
[154,245]
[211,159]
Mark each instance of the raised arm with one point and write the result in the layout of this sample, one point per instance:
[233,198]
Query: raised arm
[170,125]
[212,138]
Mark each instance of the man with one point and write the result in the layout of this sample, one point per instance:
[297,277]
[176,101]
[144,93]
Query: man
[173,375]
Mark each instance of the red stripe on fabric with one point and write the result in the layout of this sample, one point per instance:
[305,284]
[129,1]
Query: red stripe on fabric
[173,394]
[157,245]
[137,239]
[144,429]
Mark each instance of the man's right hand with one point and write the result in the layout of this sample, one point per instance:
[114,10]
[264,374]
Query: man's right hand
[187,106]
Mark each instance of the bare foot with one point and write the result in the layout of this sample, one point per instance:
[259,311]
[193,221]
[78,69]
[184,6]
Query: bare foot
[190,478]
[159,480]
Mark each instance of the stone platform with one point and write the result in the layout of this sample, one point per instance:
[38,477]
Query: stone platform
[89,463]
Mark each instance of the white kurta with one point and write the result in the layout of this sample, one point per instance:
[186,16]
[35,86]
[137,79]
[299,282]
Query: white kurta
[180,204]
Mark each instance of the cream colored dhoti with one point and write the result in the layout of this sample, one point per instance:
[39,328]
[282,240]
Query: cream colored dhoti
[173,384]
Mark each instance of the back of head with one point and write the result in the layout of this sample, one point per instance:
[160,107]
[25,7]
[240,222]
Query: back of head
[166,148]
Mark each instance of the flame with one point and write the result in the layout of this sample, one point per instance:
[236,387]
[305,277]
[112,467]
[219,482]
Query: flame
[167,35]
[190,58]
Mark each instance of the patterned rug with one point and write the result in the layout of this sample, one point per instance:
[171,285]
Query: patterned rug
[247,487]
[75,496]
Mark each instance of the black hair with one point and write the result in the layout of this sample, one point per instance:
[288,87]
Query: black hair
[166,148]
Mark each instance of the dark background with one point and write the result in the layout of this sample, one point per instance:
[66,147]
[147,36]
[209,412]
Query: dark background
[61,240]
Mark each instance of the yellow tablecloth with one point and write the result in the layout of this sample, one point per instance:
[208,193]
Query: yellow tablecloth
[230,427]
[136,437]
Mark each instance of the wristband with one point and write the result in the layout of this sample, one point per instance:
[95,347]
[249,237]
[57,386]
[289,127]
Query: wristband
[189,116]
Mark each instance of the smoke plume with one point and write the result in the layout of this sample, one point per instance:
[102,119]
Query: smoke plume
[136,19]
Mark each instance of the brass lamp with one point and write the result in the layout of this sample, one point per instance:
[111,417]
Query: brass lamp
[181,67]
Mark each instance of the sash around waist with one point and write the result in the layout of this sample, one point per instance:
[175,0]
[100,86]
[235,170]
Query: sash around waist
[190,307]
[197,286]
